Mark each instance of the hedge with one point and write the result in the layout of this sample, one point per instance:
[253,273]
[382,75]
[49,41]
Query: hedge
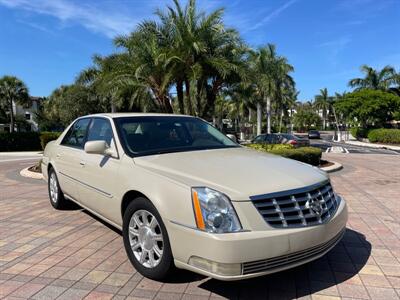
[25,141]
[309,155]
[19,141]
[359,132]
[47,136]
[382,135]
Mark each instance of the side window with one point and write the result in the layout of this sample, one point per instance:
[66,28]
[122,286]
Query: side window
[259,139]
[100,130]
[275,139]
[75,137]
[269,138]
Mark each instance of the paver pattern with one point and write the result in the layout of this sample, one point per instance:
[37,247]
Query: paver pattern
[49,254]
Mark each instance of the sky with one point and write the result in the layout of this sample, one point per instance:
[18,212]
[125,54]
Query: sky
[47,42]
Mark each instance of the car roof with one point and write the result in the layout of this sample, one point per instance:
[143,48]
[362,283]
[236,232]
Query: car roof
[130,114]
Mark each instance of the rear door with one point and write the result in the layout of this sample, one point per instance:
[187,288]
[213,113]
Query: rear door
[99,172]
[68,158]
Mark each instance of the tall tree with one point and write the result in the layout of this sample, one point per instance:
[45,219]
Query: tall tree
[323,103]
[147,62]
[13,91]
[272,80]
[373,79]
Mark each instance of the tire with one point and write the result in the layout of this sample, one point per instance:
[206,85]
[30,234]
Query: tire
[146,240]
[56,196]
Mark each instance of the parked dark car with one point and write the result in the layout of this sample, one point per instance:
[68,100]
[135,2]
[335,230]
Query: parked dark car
[286,138]
[314,134]
[281,138]
[266,139]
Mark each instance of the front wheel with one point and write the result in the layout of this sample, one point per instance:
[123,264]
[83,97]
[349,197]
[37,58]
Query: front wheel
[146,240]
[56,196]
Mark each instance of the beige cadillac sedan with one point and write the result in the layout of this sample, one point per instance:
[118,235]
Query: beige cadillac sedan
[186,196]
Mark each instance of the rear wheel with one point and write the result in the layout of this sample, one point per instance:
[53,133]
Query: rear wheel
[146,240]
[56,196]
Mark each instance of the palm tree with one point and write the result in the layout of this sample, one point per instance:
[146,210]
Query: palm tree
[115,93]
[272,79]
[13,91]
[323,102]
[395,80]
[374,79]
[210,55]
[147,63]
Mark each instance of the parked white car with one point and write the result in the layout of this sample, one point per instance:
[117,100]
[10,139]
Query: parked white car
[186,196]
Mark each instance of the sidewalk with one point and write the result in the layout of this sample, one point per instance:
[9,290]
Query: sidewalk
[371,145]
[22,153]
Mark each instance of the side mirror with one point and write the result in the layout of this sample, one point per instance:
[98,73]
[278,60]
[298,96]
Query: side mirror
[232,137]
[98,147]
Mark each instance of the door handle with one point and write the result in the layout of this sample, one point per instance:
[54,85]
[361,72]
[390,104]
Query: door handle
[82,163]
[58,155]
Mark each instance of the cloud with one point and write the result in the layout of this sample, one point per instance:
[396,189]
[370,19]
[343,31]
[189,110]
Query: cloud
[36,26]
[339,43]
[109,23]
[272,15]
[334,47]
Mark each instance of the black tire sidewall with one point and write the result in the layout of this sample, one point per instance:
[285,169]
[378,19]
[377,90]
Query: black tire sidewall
[166,265]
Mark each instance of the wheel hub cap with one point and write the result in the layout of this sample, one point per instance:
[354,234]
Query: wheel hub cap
[145,238]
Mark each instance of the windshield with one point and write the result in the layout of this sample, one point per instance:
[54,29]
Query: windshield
[164,134]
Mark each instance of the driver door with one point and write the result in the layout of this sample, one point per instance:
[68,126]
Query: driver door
[99,172]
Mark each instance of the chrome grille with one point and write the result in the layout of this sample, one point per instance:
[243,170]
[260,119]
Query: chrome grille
[290,259]
[307,206]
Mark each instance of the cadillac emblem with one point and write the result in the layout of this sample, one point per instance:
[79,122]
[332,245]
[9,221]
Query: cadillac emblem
[315,206]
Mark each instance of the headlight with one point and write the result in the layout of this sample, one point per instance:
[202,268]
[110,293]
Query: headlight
[213,211]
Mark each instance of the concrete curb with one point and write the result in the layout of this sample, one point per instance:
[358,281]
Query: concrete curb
[29,174]
[335,167]
[371,145]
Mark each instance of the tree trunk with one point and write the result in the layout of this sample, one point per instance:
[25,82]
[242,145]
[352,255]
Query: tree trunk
[113,108]
[250,114]
[208,109]
[280,122]
[179,92]
[258,118]
[200,87]
[268,115]
[11,117]
[188,97]
[291,120]
[167,105]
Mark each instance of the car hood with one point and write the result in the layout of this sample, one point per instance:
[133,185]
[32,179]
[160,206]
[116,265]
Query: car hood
[237,172]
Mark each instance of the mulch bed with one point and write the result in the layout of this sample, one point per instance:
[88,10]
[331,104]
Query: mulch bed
[325,163]
[37,168]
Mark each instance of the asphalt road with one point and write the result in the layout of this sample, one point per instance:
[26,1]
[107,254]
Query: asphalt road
[328,146]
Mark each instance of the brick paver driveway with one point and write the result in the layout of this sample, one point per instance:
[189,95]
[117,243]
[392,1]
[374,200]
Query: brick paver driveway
[47,254]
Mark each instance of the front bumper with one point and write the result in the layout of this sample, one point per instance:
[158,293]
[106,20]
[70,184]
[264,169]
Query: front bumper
[256,252]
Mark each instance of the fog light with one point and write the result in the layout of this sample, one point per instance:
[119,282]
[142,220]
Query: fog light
[215,267]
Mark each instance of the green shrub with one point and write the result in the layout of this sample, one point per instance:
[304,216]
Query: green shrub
[270,147]
[359,132]
[388,136]
[47,136]
[19,141]
[309,155]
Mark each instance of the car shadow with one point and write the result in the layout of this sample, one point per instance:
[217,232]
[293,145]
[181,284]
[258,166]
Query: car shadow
[342,263]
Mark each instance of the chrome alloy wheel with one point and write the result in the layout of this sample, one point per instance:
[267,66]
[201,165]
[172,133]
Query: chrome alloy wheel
[145,238]
[53,188]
